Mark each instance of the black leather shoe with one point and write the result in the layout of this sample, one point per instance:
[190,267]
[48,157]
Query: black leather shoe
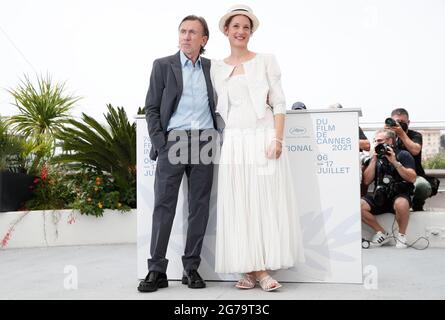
[153,281]
[193,280]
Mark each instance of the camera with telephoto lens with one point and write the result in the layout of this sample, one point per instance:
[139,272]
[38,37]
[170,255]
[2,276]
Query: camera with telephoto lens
[390,122]
[382,149]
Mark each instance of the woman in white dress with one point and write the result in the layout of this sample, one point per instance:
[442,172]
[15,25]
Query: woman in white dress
[258,227]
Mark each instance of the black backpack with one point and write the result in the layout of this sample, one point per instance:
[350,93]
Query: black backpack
[434,182]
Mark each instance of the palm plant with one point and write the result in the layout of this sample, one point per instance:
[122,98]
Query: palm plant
[35,153]
[18,153]
[43,110]
[110,149]
[141,110]
[9,146]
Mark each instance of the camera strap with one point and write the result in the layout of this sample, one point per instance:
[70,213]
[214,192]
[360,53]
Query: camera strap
[379,173]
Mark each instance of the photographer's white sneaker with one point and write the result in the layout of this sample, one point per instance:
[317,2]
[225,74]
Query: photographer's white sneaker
[379,239]
[401,241]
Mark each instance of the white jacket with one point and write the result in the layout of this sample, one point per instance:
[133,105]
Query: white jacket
[263,77]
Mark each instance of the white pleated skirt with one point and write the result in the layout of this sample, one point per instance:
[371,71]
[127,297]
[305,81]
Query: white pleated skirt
[258,226]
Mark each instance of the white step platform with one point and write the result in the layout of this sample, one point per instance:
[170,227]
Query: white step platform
[53,228]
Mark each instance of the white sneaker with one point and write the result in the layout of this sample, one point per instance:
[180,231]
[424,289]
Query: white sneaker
[379,239]
[401,241]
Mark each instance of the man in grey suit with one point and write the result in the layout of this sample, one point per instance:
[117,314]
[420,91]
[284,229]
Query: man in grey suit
[180,104]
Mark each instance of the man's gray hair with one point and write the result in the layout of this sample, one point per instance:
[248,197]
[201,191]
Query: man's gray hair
[388,133]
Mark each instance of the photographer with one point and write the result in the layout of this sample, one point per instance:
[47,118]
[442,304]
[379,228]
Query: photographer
[410,141]
[393,172]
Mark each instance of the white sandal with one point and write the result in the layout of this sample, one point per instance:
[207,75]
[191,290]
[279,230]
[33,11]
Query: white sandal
[269,284]
[246,282]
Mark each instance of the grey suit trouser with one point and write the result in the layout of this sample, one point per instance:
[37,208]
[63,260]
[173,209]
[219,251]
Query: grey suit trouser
[168,179]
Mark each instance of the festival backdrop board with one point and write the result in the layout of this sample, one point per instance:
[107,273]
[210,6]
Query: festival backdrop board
[323,150]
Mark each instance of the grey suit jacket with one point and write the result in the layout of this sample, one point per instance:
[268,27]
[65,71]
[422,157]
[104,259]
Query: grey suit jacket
[163,96]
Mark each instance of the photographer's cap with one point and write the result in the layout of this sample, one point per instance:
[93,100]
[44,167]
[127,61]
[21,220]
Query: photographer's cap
[336,106]
[298,106]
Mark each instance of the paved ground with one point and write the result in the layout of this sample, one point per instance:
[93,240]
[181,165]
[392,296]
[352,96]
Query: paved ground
[109,272]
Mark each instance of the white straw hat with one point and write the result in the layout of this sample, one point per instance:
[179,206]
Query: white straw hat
[237,10]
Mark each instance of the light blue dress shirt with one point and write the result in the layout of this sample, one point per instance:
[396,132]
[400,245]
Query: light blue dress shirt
[193,110]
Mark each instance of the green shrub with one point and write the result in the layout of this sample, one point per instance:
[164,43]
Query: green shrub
[435,162]
[95,192]
[52,190]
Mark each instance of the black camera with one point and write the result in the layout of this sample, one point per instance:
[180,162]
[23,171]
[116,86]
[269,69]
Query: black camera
[389,188]
[384,190]
[382,149]
[390,122]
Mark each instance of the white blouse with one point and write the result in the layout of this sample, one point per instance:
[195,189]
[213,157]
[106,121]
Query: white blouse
[263,78]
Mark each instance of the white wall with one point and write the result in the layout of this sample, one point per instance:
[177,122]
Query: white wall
[373,55]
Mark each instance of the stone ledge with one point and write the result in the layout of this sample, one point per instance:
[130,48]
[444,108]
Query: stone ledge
[53,228]
[67,227]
